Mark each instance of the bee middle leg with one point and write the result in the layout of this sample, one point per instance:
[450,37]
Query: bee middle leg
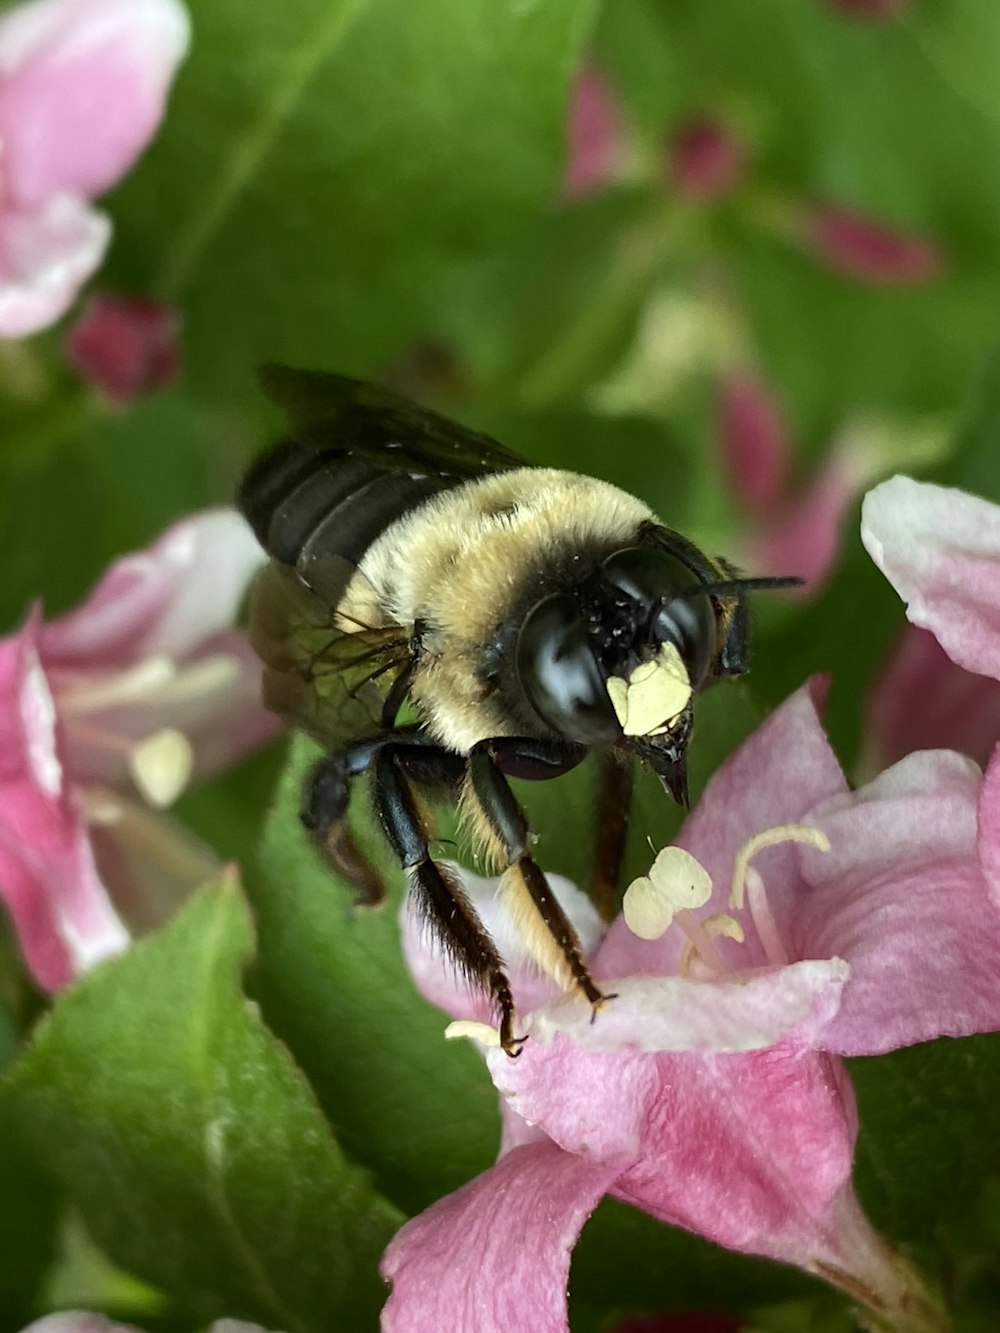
[437,891]
[508,825]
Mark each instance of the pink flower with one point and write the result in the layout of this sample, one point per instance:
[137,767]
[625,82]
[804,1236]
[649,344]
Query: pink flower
[868,250]
[82,90]
[106,714]
[126,346]
[710,1092]
[793,529]
[594,136]
[940,550]
[705,159]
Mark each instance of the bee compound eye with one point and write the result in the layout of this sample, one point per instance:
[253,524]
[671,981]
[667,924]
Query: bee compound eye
[560,676]
[689,622]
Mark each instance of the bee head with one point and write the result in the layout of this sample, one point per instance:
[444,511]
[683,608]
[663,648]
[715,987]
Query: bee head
[617,658]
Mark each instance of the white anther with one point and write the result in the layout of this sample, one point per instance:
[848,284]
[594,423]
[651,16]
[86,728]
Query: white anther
[676,882]
[161,766]
[479,1032]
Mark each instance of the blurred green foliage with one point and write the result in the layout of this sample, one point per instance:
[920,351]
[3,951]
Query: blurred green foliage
[374,186]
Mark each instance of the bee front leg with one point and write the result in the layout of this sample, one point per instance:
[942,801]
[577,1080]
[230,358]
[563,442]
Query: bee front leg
[437,892]
[549,934]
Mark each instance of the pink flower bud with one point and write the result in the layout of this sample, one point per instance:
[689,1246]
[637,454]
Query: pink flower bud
[126,346]
[705,159]
[868,250]
[594,136]
[753,441]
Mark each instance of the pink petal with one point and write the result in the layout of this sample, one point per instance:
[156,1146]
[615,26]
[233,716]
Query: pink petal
[705,159]
[776,777]
[901,898]
[46,255]
[594,135]
[82,90]
[868,250]
[125,346]
[940,550]
[494,1256]
[753,441]
[750,1150]
[166,600]
[61,911]
[655,1014]
[988,827]
[922,701]
[436,977]
[802,533]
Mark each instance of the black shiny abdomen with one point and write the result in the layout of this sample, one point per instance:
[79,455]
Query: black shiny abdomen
[313,508]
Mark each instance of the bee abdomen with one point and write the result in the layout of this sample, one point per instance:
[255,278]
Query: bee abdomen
[310,507]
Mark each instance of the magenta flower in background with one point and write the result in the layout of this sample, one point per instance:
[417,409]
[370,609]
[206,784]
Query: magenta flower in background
[710,1093]
[940,550]
[594,135]
[106,715]
[125,346]
[704,159]
[792,529]
[867,250]
[82,90]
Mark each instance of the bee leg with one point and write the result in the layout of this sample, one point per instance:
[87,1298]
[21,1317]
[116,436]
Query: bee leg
[437,892]
[507,822]
[615,783]
[325,796]
[733,655]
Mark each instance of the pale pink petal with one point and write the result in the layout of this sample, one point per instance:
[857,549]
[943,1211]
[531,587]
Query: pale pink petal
[168,599]
[82,89]
[901,898]
[779,774]
[45,257]
[988,827]
[436,977]
[940,550]
[594,135]
[125,346]
[78,1321]
[753,442]
[870,251]
[48,879]
[494,1256]
[705,159]
[667,1013]
[922,701]
[750,1150]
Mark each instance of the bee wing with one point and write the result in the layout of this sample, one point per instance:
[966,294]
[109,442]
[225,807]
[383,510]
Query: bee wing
[338,415]
[331,682]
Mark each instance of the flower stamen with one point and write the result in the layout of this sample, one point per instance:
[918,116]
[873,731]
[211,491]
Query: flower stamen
[771,837]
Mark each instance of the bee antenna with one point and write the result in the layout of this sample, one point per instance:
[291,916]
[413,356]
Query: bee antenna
[733,587]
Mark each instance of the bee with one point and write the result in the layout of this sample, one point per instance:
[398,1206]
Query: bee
[445,616]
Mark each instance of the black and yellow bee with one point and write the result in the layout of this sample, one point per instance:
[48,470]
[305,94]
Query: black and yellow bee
[525,616]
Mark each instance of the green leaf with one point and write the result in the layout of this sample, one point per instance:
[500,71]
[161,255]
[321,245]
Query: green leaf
[420,1112]
[190,1143]
[28,1206]
[324,163]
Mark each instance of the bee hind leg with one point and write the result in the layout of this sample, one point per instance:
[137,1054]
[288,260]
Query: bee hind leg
[436,891]
[547,930]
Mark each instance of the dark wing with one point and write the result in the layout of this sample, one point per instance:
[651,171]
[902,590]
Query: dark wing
[330,682]
[348,417]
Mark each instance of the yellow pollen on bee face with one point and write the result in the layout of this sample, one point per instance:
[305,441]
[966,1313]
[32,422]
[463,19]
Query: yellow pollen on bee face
[676,882]
[654,694]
